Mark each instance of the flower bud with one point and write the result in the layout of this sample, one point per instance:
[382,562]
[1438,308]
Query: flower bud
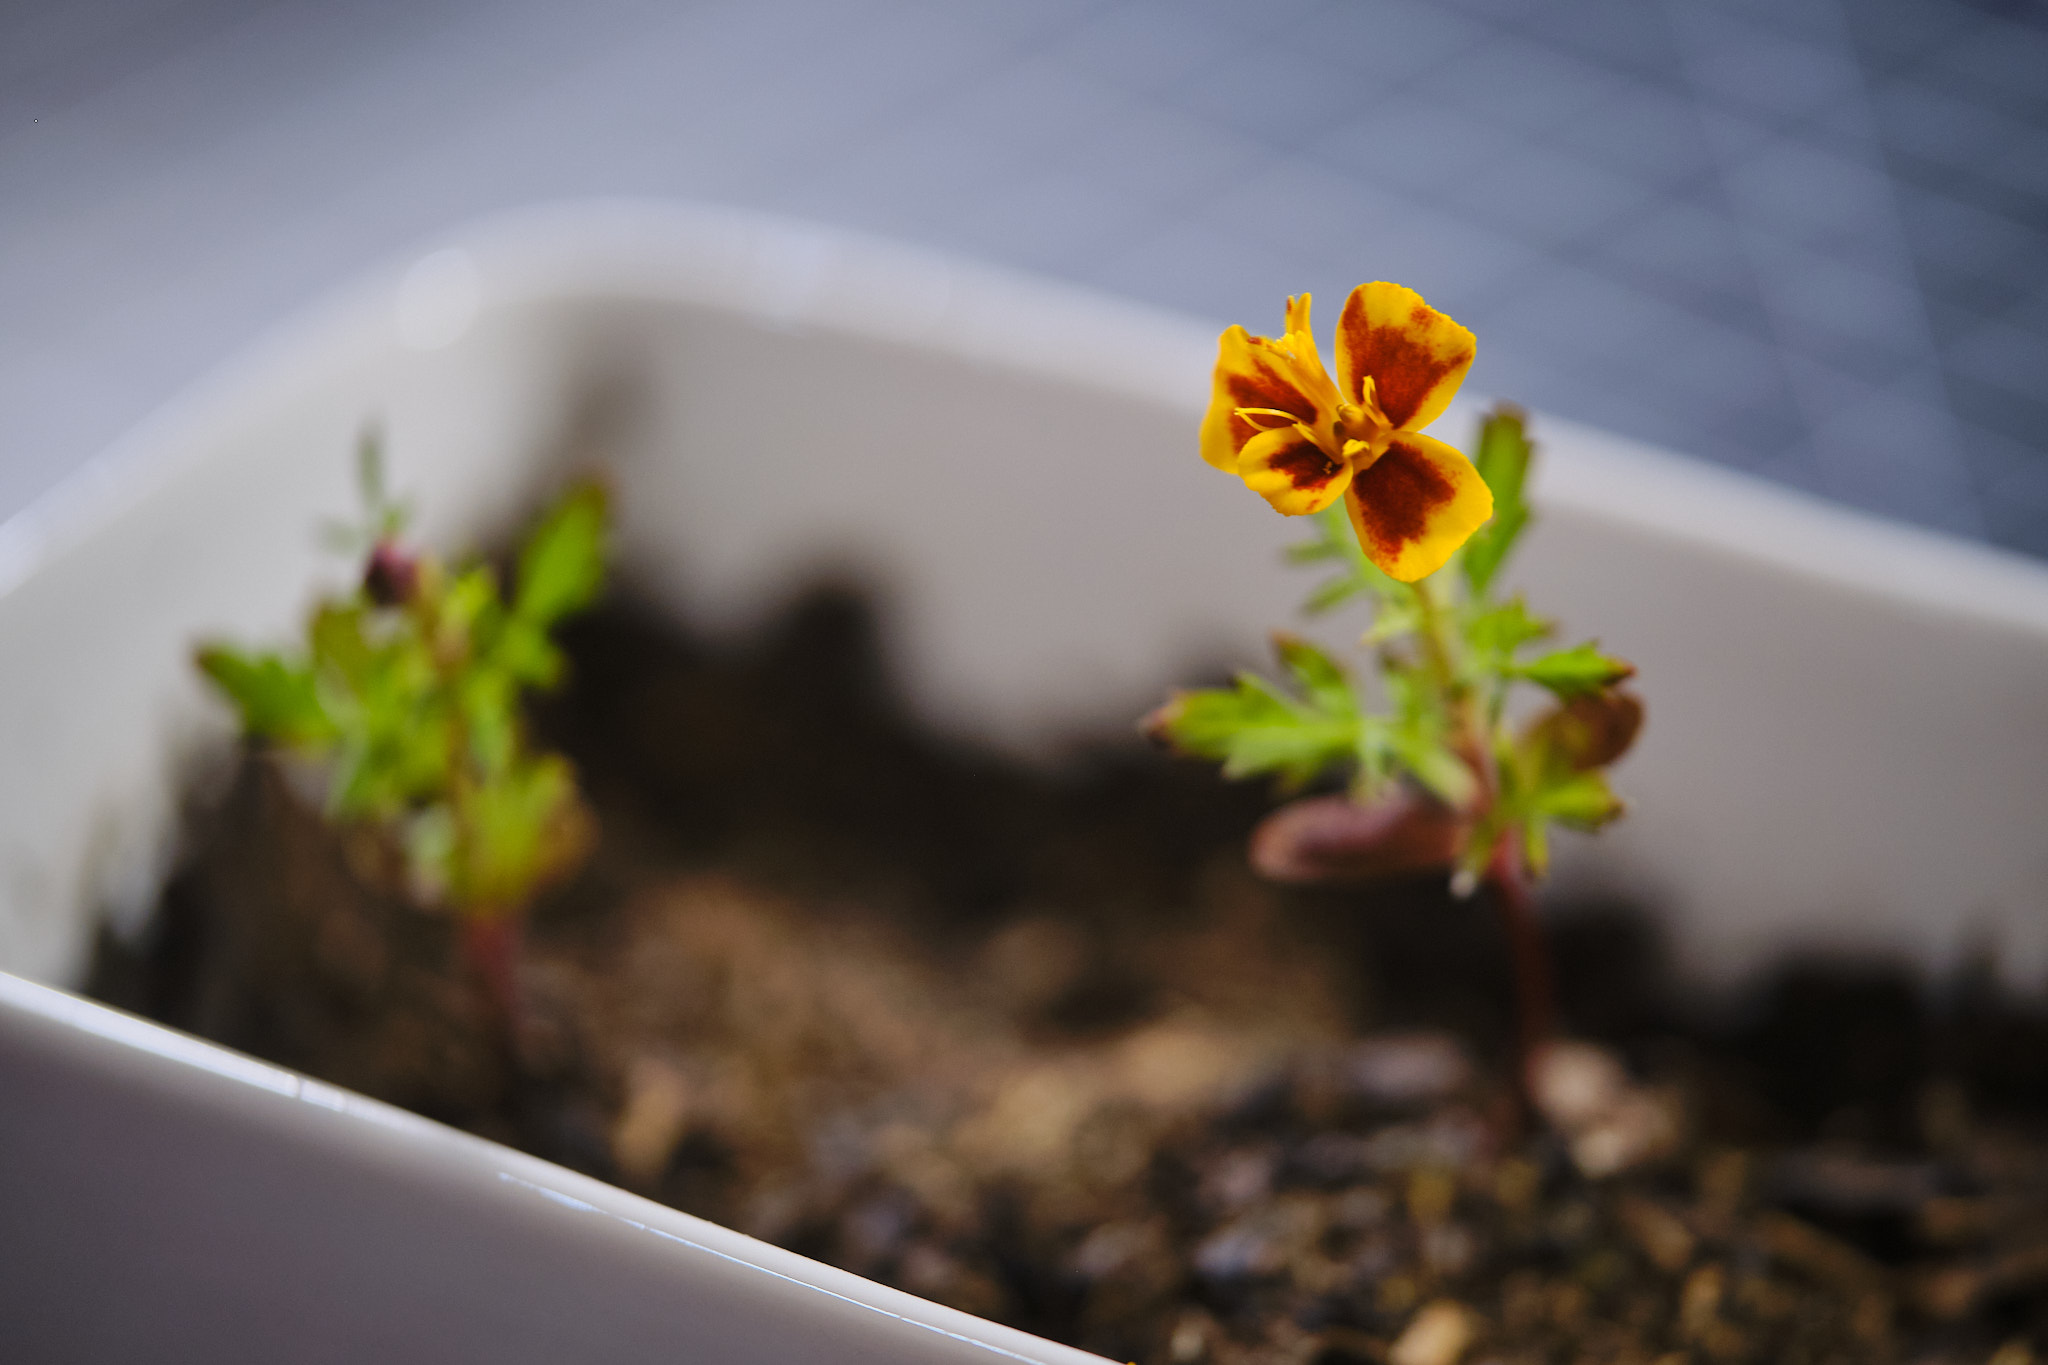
[392,576]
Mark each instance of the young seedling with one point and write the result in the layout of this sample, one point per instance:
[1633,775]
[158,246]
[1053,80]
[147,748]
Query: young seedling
[405,698]
[1436,772]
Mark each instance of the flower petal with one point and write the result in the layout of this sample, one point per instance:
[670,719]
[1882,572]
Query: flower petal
[1300,339]
[1288,469]
[1416,356]
[1415,505]
[1258,372]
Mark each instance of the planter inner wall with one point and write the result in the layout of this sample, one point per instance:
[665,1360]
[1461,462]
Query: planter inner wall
[1846,745]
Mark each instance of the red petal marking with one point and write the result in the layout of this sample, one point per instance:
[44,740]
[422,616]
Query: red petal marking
[1306,466]
[1403,369]
[1394,498]
[1264,388]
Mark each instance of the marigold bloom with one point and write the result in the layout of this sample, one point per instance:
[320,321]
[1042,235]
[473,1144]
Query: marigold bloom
[1301,442]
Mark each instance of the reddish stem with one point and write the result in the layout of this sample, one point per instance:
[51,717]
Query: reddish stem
[1535,991]
[491,943]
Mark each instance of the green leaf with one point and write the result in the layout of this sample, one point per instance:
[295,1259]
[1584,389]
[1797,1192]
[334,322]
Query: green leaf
[524,827]
[1418,735]
[1448,777]
[1576,672]
[1496,632]
[417,707]
[278,699]
[1503,462]
[1581,800]
[470,600]
[1253,728]
[383,515]
[489,706]
[562,566]
[394,753]
[523,651]
[1320,677]
[1394,618]
[338,643]
[1335,541]
[1373,751]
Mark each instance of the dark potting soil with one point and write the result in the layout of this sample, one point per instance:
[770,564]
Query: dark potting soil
[1032,1041]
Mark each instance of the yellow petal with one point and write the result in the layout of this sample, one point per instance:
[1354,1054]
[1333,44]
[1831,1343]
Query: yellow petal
[1297,315]
[1415,355]
[1300,341]
[1259,372]
[1415,505]
[1288,469]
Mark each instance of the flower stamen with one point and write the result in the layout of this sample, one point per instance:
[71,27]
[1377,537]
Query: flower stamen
[1363,428]
[1267,419]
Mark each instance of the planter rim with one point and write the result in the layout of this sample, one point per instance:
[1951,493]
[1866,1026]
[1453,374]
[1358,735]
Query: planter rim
[352,1128]
[801,275]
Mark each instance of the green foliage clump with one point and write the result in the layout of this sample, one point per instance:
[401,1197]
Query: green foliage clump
[406,695]
[1447,652]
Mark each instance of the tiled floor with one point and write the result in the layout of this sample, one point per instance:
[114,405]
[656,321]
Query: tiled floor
[1808,238]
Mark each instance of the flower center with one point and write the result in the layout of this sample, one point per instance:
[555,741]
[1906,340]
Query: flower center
[1363,430]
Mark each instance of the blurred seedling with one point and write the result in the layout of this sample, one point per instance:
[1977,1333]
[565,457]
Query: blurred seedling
[404,702]
[1436,770]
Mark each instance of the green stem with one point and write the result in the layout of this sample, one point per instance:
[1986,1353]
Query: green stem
[1437,647]
[491,936]
[1506,874]
[1469,727]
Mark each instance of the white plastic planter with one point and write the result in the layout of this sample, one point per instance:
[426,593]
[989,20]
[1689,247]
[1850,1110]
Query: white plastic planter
[1848,737]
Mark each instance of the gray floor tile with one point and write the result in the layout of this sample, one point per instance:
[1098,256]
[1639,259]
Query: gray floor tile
[1807,238]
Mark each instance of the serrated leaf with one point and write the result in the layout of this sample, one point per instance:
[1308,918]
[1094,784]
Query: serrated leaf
[1251,728]
[1496,632]
[562,565]
[1579,671]
[468,601]
[1502,460]
[1417,737]
[338,643]
[523,651]
[524,828]
[1335,541]
[1321,679]
[489,702]
[1394,618]
[1446,776]
[383,516]
[1581,800]
[1373,749]
[278,699]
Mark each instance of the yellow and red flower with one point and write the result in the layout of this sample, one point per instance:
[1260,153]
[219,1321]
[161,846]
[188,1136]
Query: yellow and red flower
[1300,441]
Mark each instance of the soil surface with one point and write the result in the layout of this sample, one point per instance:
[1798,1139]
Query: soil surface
[1033,1042]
